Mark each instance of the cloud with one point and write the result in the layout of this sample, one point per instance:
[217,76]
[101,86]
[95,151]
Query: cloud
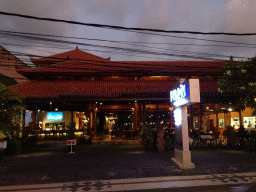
[236,16]
[47,8]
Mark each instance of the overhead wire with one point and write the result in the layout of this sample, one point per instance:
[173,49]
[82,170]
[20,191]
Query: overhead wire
[123,28]
[123,49]
[128,42]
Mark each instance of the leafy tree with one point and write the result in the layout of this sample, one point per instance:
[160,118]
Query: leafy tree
[240,78]
[11,106]
[7,81]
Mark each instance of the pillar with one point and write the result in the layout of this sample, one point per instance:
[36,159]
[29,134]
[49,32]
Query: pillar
[208,118]
[72,117]
[135,116]
[141,113]
[157,115]
[23,119]
[200,119]
[171,117]
[240,118]
[217,114]
[182,154]
[94,111]
[34,114]
[90,127]
[191,117]
[144,112]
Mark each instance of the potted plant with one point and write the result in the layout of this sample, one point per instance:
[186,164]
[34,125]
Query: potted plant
[148,137]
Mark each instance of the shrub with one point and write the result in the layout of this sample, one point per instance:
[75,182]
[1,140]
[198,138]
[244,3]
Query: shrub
[148,136]
[169,142]
[29,141]
[13,146]
[83,140]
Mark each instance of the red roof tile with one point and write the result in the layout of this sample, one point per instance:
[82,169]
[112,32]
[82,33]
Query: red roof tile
[75,54]
[103,89]
[106,68]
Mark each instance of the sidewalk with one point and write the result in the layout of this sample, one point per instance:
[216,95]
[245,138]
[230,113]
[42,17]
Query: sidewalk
[145,184]
[112,162]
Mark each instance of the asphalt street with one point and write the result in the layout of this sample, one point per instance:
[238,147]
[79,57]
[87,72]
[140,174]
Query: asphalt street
[52,163]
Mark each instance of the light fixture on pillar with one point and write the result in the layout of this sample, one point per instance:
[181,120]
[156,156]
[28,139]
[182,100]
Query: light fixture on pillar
[50,103]
[56,109]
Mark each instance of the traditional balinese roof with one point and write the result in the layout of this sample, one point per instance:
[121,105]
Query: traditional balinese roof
[75,54]
[9,64]
[104,90]
[120,68]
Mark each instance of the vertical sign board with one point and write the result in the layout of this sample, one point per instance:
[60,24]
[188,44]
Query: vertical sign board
[186,93]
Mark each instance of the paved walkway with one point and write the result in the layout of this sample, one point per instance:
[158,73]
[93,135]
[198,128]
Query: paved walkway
[120,167]
[137,184]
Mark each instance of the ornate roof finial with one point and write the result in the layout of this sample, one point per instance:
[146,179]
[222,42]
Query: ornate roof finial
[231,58]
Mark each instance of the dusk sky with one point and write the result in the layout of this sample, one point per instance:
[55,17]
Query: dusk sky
[229,16]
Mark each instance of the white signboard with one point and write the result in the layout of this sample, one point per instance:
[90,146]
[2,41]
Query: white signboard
[3,144]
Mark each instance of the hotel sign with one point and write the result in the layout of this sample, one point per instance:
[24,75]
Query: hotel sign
[186,93]
[54,116]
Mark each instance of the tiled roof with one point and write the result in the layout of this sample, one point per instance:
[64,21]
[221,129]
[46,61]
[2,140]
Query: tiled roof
[103,89]
[75,54]
[106,68]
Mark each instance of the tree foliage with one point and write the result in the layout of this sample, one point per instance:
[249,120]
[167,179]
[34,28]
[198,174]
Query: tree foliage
[240,79]
[11,106]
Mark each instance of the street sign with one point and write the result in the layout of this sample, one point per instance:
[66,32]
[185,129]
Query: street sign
[71,142]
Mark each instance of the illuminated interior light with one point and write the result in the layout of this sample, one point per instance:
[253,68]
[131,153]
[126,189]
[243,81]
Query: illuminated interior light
[50,103]
[180,102]
[230,109]
[56,109]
